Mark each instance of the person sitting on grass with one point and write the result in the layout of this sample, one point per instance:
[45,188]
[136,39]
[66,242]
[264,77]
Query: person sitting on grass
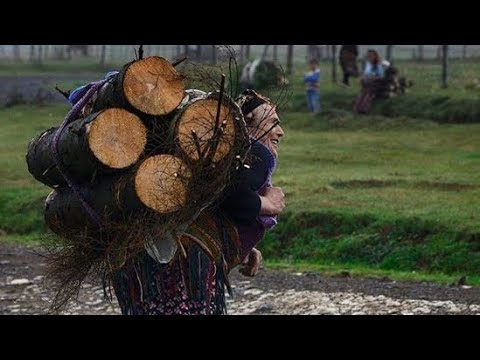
[312,80]
[372,78]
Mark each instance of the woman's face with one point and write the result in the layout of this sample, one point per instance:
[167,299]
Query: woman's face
[261,120]
[372,57]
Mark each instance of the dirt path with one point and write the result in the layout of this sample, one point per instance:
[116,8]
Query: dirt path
[22,291]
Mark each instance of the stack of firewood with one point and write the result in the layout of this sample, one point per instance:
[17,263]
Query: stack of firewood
[142,146]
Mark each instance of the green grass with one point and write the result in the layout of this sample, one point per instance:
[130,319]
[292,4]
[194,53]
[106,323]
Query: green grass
[88,66]
[369,272]
[459,103]
[391,194]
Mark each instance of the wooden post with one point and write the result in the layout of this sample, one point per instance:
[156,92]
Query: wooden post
[102,55]
[16,53]
[247,52]
[421,53]
[40,54]
[265,51]
[32,53]
[388,52]
[444,66]
[290,59]
[214,54]
[334,63]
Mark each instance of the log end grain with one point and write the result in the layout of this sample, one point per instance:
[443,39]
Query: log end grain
[153,86]
[196,129]
[161,183]
[117,138]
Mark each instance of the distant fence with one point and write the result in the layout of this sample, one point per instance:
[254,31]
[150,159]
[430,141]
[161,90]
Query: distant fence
[286,55]
[121,53]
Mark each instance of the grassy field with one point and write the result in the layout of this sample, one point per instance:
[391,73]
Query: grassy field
[391,194]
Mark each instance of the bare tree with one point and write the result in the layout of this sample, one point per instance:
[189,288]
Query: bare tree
[214,54]
[421,53]
[103,53]
[40,54]
[313,52]
[334,63]
[445,66]
[290,59]
[16,53]
[32,53]
[388,53]
[247,52]
[265,51]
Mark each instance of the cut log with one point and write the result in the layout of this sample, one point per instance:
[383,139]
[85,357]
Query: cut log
[196,133]
[160,184]
[151,86]
[109,140]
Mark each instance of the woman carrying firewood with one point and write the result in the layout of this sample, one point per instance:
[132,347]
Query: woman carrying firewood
[156,190]
[195,284]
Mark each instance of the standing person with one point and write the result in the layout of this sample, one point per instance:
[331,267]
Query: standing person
[348,62]
[372,78]
[312,80]
[226,234]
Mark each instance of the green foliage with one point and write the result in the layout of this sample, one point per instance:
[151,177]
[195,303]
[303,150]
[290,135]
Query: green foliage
[386,244]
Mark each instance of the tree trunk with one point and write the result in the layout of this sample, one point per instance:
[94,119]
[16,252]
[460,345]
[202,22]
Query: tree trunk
[110,140]
[214,54]
[115,198]
[275,53]
[186,50]
[388,52]
[103,53]
[290,59]
[247,52]
[313,53]
[464,51]
[421,53]
[149,86]
[16,53]
[265,52]
[445,66]
[32,53]
[40,55]
[334,63]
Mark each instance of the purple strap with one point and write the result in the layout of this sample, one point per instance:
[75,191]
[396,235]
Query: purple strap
[71,116]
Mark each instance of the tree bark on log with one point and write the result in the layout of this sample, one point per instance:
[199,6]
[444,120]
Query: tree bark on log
[149,86]
[160,184]
[289,59]
[109,140]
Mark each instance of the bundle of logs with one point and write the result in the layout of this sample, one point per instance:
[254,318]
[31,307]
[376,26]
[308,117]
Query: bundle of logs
[144,153]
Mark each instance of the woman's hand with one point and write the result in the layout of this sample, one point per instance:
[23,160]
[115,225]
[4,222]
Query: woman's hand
[273,201]
[252,263]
